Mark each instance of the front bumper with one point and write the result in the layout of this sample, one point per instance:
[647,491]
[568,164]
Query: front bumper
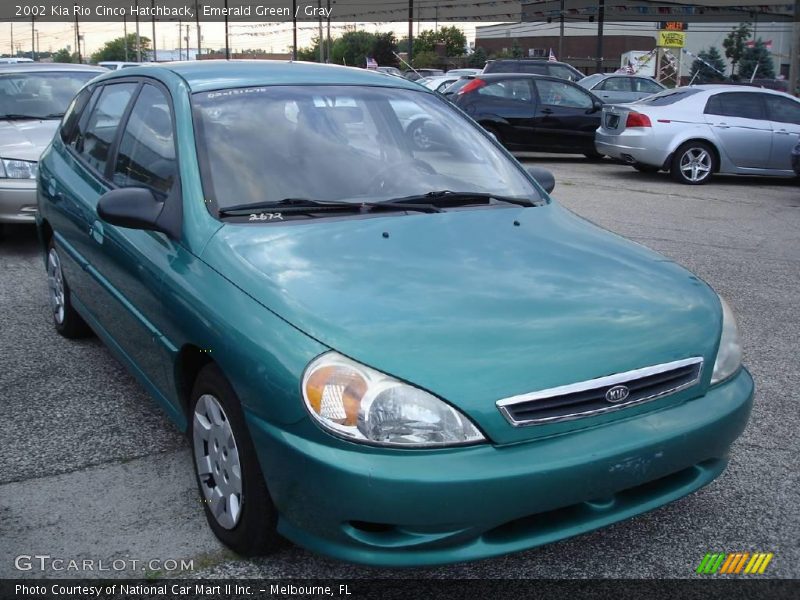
[17,200]
[407,508]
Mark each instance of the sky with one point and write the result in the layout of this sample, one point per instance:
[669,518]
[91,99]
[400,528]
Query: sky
[272,37]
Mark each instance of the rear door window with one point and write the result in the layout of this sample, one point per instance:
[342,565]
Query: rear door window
[509,89]
[558,93]
[94,145]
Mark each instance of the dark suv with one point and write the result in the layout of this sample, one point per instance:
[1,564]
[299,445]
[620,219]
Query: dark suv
[537,66]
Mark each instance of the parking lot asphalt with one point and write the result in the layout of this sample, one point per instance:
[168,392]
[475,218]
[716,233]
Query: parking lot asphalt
[91,468]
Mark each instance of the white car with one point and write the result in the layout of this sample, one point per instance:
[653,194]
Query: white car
[115,65]
[694,132]
[439,83]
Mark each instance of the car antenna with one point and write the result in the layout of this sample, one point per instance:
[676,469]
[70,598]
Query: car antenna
[400,58]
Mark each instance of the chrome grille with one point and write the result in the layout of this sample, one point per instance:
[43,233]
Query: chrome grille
[592,397]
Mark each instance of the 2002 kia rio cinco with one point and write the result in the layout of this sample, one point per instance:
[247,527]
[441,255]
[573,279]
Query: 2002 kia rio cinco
[386,354]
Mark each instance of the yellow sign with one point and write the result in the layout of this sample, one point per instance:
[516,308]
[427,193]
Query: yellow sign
[671,39]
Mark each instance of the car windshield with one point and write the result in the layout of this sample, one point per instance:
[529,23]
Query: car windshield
[343,143]
[39,95]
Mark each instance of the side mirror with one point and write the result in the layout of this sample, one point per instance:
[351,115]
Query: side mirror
[136,208]
[597,105]
[543,177]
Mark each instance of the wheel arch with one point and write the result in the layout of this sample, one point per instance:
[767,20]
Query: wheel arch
[705,140]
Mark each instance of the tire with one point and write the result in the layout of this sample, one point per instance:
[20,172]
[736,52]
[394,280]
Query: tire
[240,513]
[693,163]
[66,319]
[642,168]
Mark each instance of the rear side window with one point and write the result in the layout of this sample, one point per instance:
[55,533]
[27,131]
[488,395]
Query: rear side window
[535,68]
[509,89]
[146,156]
[615,84]
[640,84]
[558,93]
[783,110]
[103,123]
[745,105]
[74,111]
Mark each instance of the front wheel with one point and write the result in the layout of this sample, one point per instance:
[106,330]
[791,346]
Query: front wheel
[233,492]
[66,319]
[693,163]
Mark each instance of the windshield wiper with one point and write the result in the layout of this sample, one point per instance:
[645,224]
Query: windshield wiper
[20,117]
[447,198]
[306,205]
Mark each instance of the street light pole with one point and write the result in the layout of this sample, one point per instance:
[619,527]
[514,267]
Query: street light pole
[601,15]
[33,39]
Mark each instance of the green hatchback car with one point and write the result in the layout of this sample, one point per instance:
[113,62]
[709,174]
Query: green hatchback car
[388,354]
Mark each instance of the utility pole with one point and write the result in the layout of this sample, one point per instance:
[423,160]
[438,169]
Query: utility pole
[321,45]
[227,46]
[561,32]
[33,39]
[12,38]
[153,12]
[410,31]
[601,15]
[197,26]
[794,48]
[188,57]
[294,29]
[138,41]
[180,44]
[328,42]
[125,34]
[78,38]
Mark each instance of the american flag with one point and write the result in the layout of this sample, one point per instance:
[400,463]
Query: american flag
[552,57]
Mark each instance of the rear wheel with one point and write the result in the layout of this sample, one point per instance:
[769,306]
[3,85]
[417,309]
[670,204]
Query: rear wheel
[693,163]
[66,319]
[232,489]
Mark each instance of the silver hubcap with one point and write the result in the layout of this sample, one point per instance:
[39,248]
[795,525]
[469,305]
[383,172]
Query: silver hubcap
[55,280]
[216,458]
[696,164]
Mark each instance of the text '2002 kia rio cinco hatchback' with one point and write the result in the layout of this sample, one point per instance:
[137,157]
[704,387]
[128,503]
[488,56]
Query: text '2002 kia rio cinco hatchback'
[387,354]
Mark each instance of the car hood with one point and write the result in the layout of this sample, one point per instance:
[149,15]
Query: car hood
[476,305]
[26,139]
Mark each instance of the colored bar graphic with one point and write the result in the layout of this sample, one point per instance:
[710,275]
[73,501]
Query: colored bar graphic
[730,564]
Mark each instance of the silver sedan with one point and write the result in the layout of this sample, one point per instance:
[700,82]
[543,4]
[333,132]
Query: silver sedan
[33,98]
[614,87]
[694,132]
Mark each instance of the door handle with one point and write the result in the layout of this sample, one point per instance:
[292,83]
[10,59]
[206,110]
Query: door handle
[723,126]
[783,132]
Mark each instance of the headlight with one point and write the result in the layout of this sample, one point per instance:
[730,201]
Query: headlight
[17,169]
[729,355]
[365,405]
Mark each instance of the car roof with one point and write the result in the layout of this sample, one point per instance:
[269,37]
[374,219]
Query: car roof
[717,88]
[207,75]
[43,67]
[495,76]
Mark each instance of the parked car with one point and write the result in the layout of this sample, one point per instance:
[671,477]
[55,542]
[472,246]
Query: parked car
[33,98]
[415,74]
[614,88]
[796,159]
[531,112]
[462,72]
[440,83]
[390,71]
[535,66]
[113,65]
[694,132]
[388,355]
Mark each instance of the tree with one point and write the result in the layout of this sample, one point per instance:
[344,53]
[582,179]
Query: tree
[734,44]
[64,56]
[353,48]
[384,48]
[760,56]
[454,40]
[516,49]
[478,59]
[311,53]
[702,71]
[425,60]
[115,49]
